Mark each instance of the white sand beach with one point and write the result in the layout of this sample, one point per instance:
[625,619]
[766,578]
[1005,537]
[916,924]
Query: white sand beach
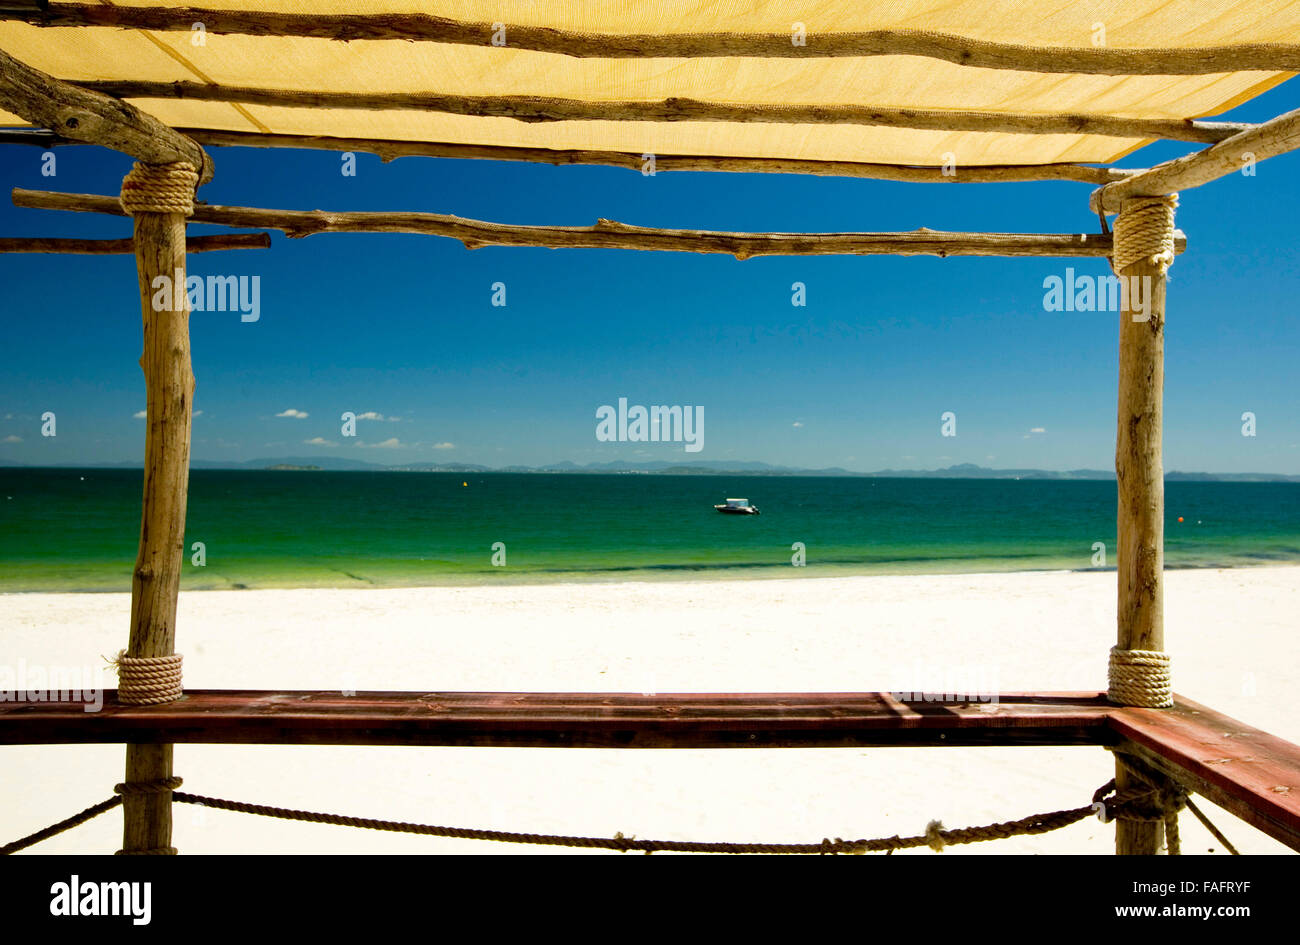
[1232,634]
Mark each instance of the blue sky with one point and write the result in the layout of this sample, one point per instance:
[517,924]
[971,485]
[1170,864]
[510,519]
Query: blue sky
[403,326]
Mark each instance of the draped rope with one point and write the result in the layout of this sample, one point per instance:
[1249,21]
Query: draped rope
[1140,678]
[1144,231]
[160,188]
[935,837]
[53,830]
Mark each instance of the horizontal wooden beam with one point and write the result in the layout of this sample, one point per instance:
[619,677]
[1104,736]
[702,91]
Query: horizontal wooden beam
[961,50]
[389,150]
[1274,137]
[564,719]
[531,109]
[609,234]
[94,118]
[1248,772]
[194,244]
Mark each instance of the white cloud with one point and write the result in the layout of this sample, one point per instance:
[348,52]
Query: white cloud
[797,423]
[392,443]
[12,438]
[139,415]
[1037,430]
[373,415]
[198,413]
[291,412]
[444,446]
[319,441]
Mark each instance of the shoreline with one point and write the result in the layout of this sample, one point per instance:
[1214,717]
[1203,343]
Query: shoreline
[667,574]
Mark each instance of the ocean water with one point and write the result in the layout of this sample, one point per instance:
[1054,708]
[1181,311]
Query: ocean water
[76,529]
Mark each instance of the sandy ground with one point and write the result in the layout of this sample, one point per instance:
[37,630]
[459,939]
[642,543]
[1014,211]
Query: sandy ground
[1232,633]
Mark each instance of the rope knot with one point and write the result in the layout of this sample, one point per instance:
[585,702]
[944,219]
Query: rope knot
[160,188]
[138,788]
[1140,678]
[148,680]
[934,836]
[1144,231]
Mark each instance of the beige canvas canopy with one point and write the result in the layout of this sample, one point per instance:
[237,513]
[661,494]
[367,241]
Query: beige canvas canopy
[782,76]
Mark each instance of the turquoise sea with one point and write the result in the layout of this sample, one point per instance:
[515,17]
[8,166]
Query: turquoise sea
[76,529]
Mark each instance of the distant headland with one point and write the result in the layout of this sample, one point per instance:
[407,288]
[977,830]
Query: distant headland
[703,468]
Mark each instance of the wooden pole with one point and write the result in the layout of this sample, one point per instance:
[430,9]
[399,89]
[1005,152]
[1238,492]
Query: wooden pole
[529,108]
[169,386]
[610,234]
[419,27]
[1276,136]
[74,113]
[389,149]
[1140,523]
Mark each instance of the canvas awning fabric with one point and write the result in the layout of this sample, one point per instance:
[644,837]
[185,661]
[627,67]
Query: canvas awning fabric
[97,53]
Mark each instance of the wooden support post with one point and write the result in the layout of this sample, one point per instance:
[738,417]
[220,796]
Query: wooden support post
[1132,837]
[1140,476]
[1165,798]
[169,385]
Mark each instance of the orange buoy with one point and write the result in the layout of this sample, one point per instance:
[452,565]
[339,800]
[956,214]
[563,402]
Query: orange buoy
[466,484]
[1180,518]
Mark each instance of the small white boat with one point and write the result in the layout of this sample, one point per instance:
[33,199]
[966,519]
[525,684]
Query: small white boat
[737,507]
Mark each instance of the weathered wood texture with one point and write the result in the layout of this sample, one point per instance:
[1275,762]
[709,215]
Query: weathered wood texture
[195,244]
[94,118]
[530,108]
[1248,772]
[1251,773]
[389,150]
[1276,136]
[169,387]
[1139,468]
[960,50]
[1136,837]
[1139,471]
[609,234]
[589,720]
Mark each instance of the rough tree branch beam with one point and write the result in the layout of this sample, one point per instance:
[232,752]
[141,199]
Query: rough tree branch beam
[94,118]
[1271,57]
[608,234]
[389,150]
[1276,136]
[528,108]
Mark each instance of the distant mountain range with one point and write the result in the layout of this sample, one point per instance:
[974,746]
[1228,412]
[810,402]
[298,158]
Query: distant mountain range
[661,468]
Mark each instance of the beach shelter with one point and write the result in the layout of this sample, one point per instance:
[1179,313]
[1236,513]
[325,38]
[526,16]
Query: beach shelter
[931,91]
